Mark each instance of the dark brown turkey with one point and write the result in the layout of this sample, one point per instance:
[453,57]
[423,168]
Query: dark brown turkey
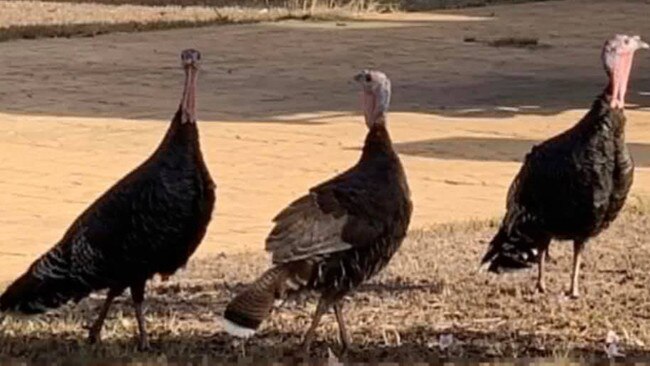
[148,223]
[340,234]
[572,186]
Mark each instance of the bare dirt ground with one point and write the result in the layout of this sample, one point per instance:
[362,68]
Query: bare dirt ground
[278,115]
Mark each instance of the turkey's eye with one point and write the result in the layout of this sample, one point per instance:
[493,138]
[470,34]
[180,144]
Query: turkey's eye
[368,78]
[627,41]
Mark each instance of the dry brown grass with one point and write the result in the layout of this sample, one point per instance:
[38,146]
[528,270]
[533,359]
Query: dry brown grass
[293,4]
[430,289]
[415,5]
[39,19]
[30,19]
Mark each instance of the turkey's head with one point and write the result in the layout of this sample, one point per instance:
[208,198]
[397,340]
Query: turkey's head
[375,95]
[190,59]
[617,56]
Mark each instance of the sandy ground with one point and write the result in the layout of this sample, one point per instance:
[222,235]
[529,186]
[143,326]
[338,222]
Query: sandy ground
[278,111]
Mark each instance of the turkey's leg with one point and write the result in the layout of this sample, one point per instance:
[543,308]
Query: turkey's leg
[548,256]
[578,247]
[94,333]
[137,294]
[543,256]
[343,331]
[321,309]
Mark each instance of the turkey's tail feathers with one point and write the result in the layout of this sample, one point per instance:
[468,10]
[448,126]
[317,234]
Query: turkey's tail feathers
[508,252]
[246,311]
[46,285]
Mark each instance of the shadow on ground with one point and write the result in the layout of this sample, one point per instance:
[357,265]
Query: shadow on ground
[415,345]
[492,149]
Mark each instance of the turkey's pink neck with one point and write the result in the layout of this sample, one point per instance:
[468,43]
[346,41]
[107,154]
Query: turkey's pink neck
[188,102]
[618,80]
[372,109]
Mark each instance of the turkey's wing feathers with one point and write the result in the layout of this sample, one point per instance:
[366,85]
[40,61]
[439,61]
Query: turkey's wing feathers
[321,223]
[95,240]
[303,230]
[546,185]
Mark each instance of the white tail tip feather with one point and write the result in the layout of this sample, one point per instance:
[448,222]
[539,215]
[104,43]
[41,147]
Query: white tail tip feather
[483,267]
[237,330]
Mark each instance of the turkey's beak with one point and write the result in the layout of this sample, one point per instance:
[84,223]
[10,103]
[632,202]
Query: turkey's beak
[191,64]
[360,77]
[639,43]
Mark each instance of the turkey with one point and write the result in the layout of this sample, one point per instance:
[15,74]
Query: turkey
[341,233]
[150,222]
[572,186]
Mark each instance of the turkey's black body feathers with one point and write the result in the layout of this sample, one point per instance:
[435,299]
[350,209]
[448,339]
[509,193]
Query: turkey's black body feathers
[149,222]
[570,187]
[371,207]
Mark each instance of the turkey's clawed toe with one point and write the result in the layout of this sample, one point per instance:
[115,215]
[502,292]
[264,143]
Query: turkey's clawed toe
[143,343]
[573,295]
[94,336]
